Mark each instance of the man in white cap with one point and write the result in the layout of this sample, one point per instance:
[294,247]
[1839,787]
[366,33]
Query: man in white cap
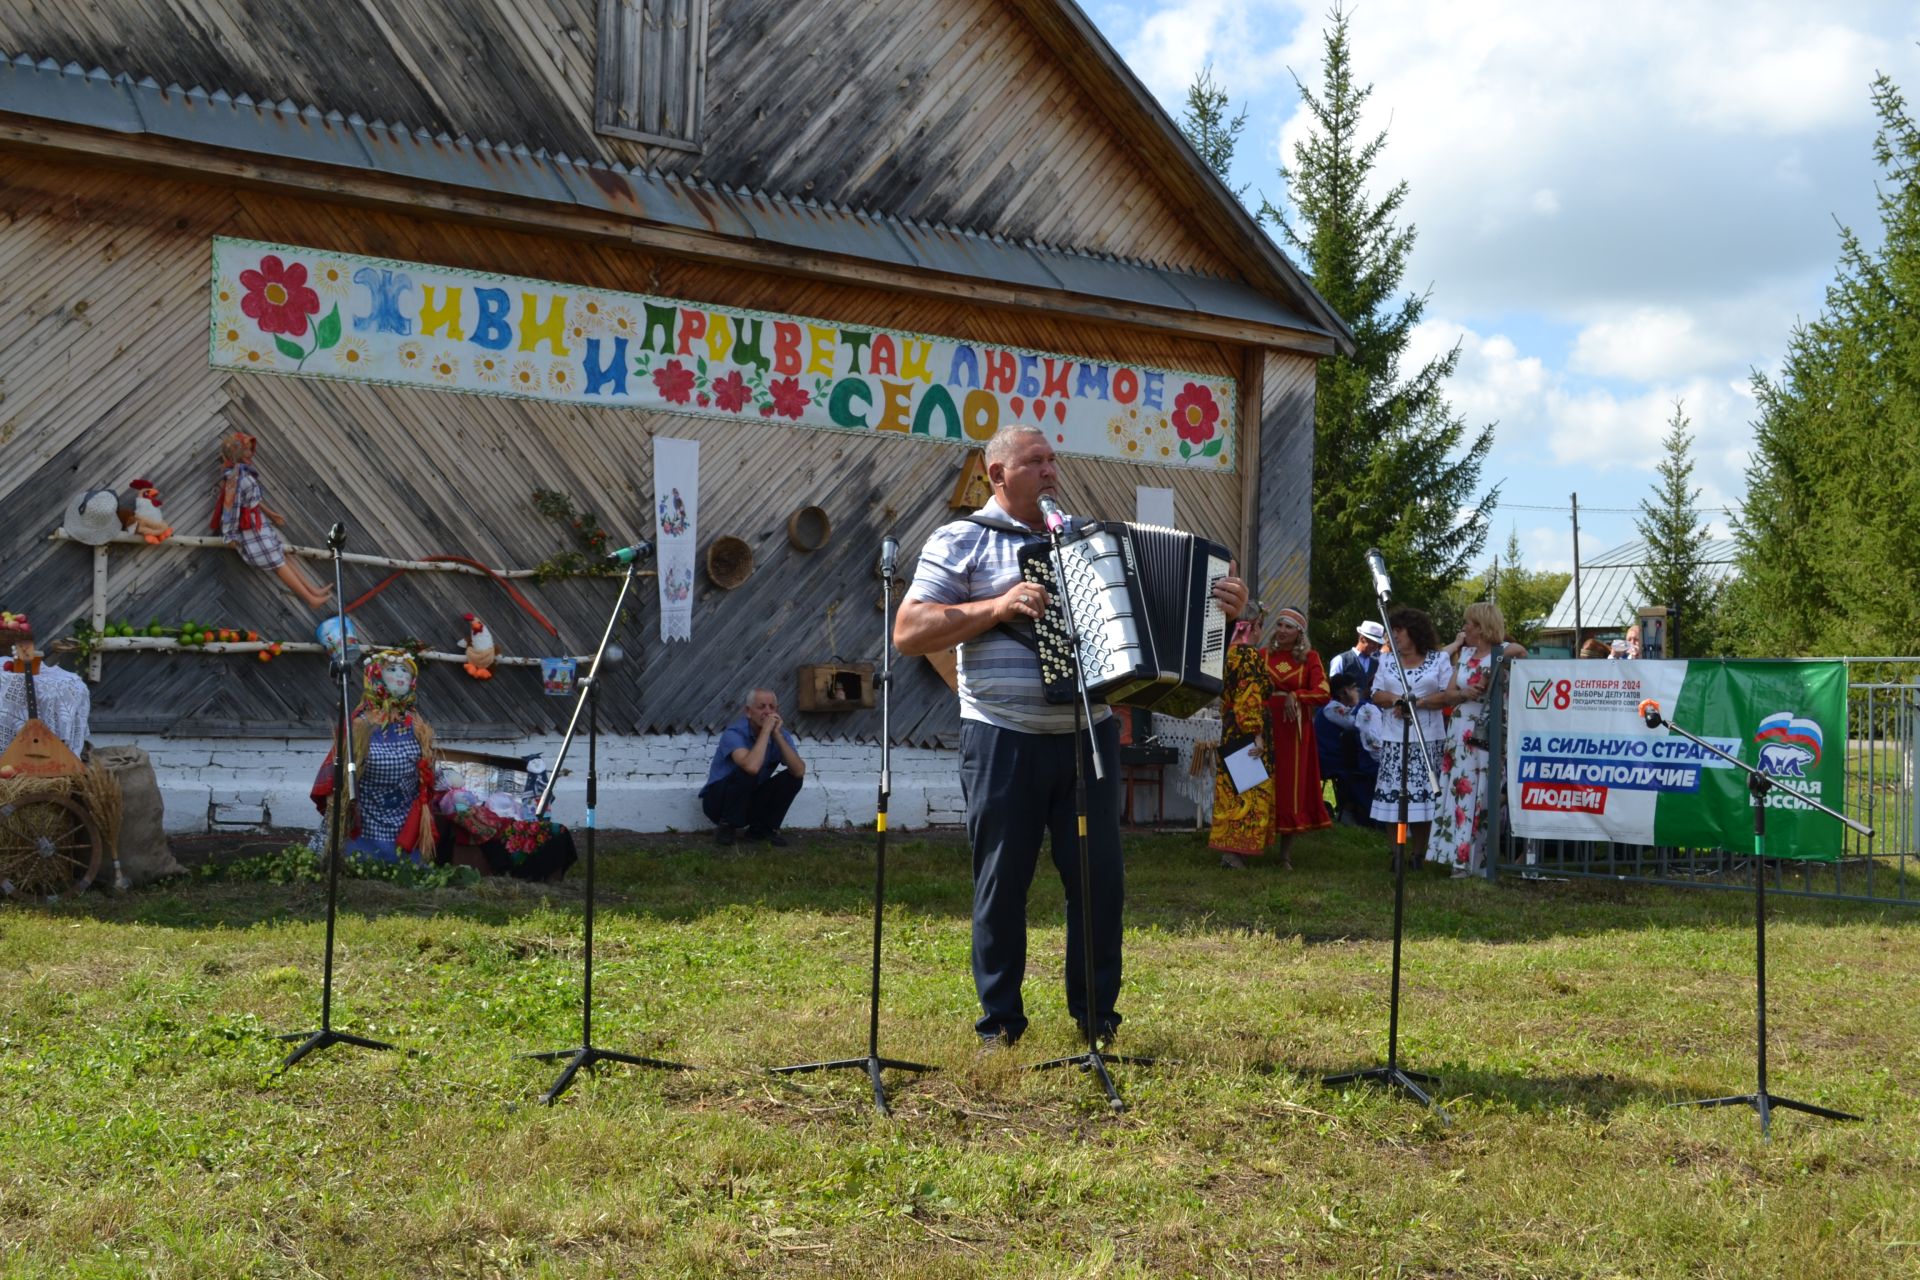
[1363,659]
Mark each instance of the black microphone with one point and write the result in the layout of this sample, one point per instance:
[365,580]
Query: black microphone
[337,536]
[1650,712]
[889,553]
[1375,562]
[627,555]
[1050,510]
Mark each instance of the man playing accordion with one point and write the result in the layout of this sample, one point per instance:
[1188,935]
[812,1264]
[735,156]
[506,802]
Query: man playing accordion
[1017,750]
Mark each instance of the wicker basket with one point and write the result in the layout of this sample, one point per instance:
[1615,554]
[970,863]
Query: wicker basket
[729,561]
[809,528]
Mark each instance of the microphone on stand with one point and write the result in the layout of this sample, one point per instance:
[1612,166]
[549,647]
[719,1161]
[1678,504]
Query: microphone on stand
[1650,712]
[337,536]
[1056,518]
[627,555]
[1378,565]
[889,554]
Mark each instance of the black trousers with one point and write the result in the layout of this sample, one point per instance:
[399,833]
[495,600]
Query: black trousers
[1019,787]
[739,800]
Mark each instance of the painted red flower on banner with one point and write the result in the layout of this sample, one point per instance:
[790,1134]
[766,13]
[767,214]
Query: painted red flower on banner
[789,397]
[732,392]
[674,382]
[1195,413]
[278,298]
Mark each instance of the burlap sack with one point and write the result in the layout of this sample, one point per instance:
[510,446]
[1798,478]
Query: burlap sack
[144,855]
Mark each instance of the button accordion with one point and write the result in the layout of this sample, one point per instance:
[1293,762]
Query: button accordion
[1151,633]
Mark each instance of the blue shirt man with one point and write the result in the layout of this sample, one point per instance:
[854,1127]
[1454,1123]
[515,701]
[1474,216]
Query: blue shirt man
[755,774]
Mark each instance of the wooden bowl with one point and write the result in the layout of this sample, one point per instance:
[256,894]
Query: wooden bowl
[809,528]
[729,561]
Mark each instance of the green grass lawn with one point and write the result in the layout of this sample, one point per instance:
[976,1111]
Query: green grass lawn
[144,1129]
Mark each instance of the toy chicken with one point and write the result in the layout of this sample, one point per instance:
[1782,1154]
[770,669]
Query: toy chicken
[140,512]
[480,648]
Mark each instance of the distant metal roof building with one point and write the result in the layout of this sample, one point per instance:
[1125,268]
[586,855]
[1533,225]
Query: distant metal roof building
[1607,598]
[285,130]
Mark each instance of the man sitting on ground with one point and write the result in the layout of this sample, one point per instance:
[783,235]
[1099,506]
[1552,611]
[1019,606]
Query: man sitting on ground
[747,785]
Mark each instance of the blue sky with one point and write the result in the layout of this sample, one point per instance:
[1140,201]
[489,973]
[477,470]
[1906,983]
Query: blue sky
[1619,205]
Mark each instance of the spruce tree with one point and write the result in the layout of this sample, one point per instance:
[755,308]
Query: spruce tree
[1393,466]
[1207,126]
[1829,530]
[1675,573]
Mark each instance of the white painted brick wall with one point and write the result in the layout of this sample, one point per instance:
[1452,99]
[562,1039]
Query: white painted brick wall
[648,782]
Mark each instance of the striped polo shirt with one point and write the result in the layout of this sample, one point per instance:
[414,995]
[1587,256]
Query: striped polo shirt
[999,677]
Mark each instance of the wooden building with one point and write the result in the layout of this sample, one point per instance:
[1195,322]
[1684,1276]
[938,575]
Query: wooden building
[984,174]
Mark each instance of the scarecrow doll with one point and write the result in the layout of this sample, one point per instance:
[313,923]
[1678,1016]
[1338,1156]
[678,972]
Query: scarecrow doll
[242,517]
[392,815]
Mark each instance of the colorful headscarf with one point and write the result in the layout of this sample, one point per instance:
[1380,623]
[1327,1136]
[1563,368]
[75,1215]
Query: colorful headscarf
[1294,616]
[379,703]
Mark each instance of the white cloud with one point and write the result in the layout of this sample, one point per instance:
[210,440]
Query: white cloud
[1649,343]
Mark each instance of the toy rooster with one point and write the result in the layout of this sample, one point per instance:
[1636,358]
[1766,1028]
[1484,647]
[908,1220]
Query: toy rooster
[480,648]
[140,512]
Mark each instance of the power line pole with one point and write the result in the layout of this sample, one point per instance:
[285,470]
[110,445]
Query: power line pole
[1576,575]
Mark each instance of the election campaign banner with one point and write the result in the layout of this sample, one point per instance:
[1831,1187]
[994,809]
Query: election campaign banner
[1582,764]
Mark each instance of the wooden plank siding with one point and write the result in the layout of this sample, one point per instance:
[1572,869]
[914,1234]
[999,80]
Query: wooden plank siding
[103,350]
[1286,491]
[955,112]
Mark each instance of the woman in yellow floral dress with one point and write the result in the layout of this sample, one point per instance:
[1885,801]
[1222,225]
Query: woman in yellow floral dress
[1242,820]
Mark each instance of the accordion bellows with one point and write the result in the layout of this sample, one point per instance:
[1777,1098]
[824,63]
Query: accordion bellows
[1151,633]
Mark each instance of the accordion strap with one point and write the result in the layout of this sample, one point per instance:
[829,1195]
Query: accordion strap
[1025,637]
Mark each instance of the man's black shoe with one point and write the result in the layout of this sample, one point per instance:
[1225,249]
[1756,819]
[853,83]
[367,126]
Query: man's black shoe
[762,834]
[724,834]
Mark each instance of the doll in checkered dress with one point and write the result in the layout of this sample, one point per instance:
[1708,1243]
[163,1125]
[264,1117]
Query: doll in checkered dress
[242,517]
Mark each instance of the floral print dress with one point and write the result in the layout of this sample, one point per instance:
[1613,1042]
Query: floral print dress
[1460,824]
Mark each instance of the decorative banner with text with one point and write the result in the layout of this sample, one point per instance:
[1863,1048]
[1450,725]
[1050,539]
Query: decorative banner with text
[1582,764]
[282,309]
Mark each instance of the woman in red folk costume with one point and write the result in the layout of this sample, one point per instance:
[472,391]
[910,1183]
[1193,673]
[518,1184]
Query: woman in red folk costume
[242,517]
[1299,687]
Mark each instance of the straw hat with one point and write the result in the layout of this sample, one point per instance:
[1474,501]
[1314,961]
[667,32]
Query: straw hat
[93,518]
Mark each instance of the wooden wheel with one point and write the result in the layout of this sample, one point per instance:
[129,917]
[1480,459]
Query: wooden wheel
[47,848]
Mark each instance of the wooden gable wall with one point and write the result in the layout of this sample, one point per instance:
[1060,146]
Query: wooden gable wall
[948,111]
[103,346]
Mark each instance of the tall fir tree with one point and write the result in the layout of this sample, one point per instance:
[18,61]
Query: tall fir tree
[1208,127]
[1525,596]
[1829,530]
[1675,574]
[1393,466]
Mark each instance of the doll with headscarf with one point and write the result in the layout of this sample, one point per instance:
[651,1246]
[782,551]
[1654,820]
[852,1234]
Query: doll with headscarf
[241,516]
[392,815]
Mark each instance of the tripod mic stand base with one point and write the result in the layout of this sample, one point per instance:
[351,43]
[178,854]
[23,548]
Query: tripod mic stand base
[1407,1082]
[1095,1061]
[321,1039]
[871,1064]
[588,1056]
[1765,1103]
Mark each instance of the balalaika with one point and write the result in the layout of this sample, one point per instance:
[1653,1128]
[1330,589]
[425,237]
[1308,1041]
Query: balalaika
[1151,633]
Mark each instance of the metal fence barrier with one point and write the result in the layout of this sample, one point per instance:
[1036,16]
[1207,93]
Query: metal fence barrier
[1883,726]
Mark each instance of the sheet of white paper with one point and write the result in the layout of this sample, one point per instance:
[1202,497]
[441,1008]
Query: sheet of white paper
[1246,769]
[1153,506]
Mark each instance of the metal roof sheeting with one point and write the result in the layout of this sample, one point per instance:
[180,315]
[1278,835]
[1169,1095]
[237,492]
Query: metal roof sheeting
[1607,598]
[47,91]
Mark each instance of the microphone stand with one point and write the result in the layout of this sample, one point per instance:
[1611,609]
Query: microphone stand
[1092,1060]
[1391,1073]
[1758,786]
[587,1055]
[344,788]
[873,1063]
